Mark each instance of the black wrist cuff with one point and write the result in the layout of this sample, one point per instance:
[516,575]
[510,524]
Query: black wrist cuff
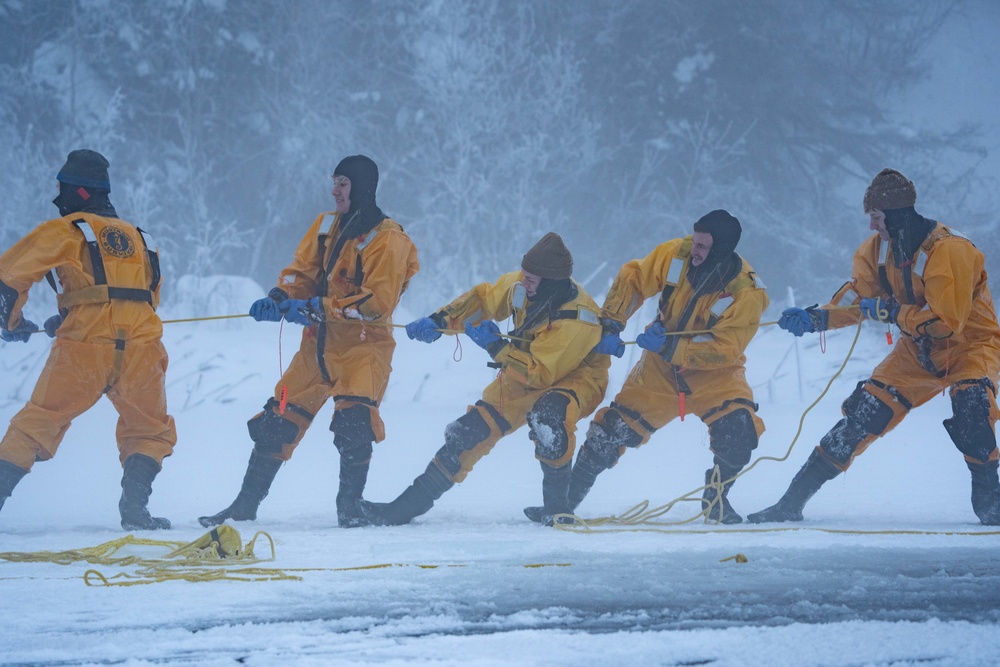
[611,326]
[496,347]
[440,319]
[277,294]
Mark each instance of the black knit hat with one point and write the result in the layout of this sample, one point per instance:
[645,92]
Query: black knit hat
[87,168]
[549,258]
[725,230]
[363,174]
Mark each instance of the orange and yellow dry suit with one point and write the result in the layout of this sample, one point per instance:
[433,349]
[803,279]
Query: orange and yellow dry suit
[703,373]
[348,357]
[950,339]
[548,368]
[109,342]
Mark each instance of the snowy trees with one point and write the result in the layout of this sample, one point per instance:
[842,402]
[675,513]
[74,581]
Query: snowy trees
[494,128]
[615,124]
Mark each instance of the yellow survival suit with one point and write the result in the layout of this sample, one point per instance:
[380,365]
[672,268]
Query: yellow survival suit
[549,378]
[107,333]
[346,278]
[929,281]
[701,373]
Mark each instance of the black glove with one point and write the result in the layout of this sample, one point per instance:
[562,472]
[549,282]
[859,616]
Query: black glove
[21,333]
[52,324]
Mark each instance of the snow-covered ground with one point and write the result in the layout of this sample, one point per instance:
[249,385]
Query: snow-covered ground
[890,567]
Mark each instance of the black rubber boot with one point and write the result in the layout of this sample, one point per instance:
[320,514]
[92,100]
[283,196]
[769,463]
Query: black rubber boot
[256,483]
[353,476]
[815,472]
[985,492]
[721,511]
[555,496]
[585,472]
[10,475]
[417,499]
[137,484]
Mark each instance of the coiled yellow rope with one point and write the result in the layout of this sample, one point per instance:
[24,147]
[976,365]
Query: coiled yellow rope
[220,548]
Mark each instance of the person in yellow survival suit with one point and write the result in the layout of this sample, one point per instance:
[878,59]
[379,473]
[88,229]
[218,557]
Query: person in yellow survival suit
[343,284]
[706,288]
[549,378]
[107,335]
[929,281]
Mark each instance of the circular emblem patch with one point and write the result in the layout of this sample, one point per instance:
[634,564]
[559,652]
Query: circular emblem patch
[116,242]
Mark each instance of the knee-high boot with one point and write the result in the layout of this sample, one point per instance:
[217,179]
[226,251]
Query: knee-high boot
[985,492]
[353,477]
[815,472]
[10,475]
[417,499]
[720,511]
[555,495]
[256,483]
[137,485]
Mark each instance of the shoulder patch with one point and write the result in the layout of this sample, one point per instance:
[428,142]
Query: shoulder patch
[588,316]
[327,224]
[367,239]
[758,283]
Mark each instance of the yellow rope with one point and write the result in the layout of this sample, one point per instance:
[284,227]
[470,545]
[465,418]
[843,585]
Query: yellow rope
[693,332]
[204,319]
[641,514]
[184,561]
[216,556]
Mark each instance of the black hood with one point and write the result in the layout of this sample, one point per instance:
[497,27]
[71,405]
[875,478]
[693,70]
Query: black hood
[78,199]
[907,231]
[364,212]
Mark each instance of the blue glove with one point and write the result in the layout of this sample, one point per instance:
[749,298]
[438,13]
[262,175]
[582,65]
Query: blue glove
[611,343]
[52,324]
[425,330]
[486,335]
[265,310]
[305,312]
[654,338]
[21,333]
[796,321]
[879,309]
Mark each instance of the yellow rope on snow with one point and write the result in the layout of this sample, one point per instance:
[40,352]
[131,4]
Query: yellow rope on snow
[185,560]
[641,514]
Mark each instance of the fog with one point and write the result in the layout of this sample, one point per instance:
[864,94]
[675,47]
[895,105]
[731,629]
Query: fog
[614,124]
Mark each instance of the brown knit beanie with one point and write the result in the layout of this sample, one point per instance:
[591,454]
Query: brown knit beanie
[890,189]
[549,258]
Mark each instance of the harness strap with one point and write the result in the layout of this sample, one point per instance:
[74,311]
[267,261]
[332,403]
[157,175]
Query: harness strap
[495,415]
[299,410]
[892,391]
[102,294]
[633,414]
[725,404]
[568,392]
[356,399]
[883,275]
[100,291]
[984,382]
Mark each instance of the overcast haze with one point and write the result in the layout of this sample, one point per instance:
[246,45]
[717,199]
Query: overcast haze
[616,124]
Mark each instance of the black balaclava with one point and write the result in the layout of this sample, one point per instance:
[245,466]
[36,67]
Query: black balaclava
[907,230]
[84,185]
[551,294]
[364,213]
[722,263]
